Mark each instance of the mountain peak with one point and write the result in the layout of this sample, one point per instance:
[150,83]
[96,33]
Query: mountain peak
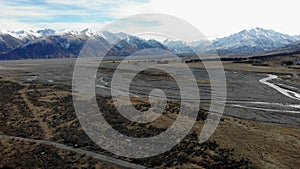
[91,32]
[259,29]
[67,32]
[88,30]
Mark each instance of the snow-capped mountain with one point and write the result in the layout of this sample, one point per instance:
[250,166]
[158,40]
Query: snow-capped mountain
[22,35]
[47,47]
[45,32]
[90,33]
[115,38]
[203,47]
[134,41]
[179,47]
[244,42]
[8,42]
[48,43]
[29,35]
[251,41]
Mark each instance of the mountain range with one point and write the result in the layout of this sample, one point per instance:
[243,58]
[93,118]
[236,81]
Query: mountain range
[253,41]
[50,43]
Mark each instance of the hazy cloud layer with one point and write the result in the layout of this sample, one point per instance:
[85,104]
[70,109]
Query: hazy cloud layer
[212,17]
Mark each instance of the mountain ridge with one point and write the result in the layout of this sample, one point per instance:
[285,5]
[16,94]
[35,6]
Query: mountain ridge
[254,40]
[49,43]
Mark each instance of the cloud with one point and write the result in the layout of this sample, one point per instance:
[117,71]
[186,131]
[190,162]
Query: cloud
[65,13]
[73,25]
[212,17]
[15,25]
[221,18]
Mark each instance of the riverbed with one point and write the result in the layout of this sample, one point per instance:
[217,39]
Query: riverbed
[254,96]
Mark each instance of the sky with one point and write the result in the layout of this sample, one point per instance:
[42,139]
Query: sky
[214,18]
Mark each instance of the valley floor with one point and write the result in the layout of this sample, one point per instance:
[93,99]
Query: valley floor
[40,128]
